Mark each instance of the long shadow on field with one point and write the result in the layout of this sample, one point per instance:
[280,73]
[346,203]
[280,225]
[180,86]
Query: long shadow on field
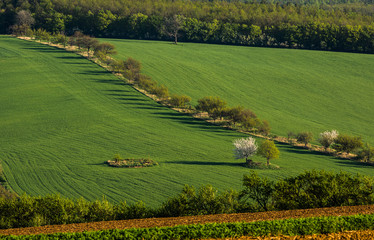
[196,123]
[208,163]
[353,163]
[300,150]
[46,49]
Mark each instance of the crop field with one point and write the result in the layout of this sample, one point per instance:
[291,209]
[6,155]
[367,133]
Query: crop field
[295,90]
[62,117]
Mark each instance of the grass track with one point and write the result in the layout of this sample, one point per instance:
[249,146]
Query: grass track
[295,90]
[61,117]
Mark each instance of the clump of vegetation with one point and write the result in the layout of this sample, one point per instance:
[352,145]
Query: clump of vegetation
[117,161]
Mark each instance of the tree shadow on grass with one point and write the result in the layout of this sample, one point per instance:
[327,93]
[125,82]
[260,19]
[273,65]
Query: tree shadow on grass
[300,150]
[185,118]
[239,164]
[338,160]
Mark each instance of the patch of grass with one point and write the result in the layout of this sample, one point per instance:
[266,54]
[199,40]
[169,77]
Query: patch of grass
[61,115]
[295,90]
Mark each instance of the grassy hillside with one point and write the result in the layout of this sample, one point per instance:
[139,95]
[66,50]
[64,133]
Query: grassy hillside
[61,117]
[295,90]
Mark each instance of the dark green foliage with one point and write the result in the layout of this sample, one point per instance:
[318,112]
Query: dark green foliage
[206,201]
[162,92]
[314,189]
[344,27]
[304,137]
[180,101]
[366,153]
[257,189]
[291,227]
[311,189]
[346,143]
[210,104]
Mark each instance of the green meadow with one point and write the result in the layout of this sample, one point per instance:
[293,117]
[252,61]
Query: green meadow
[295,90]
[62,117]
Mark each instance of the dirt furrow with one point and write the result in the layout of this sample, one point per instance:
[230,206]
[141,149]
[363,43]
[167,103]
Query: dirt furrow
[165,222]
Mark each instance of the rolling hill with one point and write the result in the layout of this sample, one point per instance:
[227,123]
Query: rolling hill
[61,117]
[295,90]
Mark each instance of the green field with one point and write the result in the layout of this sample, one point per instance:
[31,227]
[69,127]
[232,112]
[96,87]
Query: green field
[62,116]
[295,90]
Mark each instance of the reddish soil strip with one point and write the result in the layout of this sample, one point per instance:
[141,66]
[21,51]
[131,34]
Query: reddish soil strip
[166,222]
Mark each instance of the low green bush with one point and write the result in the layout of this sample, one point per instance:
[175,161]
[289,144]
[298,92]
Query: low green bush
[290,227]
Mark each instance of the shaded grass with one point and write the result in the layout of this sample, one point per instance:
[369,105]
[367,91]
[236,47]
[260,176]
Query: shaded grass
[295,90]
[62,117]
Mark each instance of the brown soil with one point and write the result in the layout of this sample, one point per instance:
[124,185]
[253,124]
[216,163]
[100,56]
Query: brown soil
[165,222]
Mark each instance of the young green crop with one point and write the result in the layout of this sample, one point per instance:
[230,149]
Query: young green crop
[62,117]
[295,90]
[291,227]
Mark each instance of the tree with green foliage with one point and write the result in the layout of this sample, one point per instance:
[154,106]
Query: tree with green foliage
[263,127]
[179,101]
[235,114]
[314,189]
[268,150]
[257,189]
[209,104]
[105,48]
[304,137]
[366,153]
[89,43]
[346,143]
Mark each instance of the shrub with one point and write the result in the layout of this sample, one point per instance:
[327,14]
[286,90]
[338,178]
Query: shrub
[304,137]
[314,189]
[162,92]
[208,104]
[345,143]
[205,201]
[327,138]
[366,153]
[257,189]
[180,101]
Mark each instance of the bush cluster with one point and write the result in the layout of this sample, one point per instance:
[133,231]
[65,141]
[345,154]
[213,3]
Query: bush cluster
[311,189]
[238,116]
[308,190]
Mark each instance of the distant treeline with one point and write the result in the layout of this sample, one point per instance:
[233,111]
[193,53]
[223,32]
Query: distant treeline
[339,27]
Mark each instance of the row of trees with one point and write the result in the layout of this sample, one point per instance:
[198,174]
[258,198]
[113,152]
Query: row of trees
[346,27]
[339,142]
[238,116]
[216,108]
[310,189]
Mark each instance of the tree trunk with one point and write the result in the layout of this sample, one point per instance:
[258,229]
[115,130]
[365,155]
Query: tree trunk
[248,161]
[268,161]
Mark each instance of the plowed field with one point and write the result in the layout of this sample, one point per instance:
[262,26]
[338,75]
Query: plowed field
[164,222]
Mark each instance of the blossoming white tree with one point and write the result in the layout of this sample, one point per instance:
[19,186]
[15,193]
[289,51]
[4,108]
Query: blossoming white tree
[244,148]
[327,138]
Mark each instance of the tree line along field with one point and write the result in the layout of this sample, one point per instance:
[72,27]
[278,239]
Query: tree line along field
[295,90]
[62,117]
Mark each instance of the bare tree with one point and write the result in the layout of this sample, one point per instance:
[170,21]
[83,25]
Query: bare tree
[24,21]
[172,26]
